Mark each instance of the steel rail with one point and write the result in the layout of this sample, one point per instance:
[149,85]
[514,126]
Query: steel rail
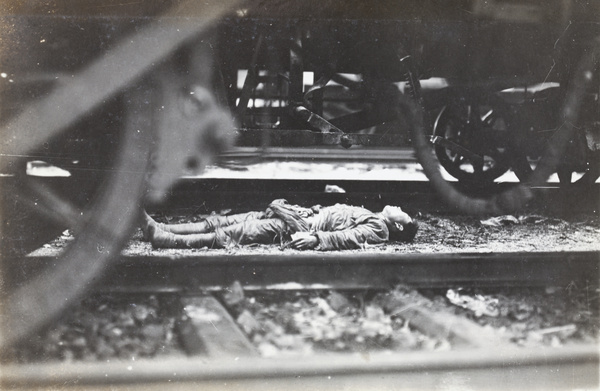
[491,369]
[197,270]
[324,153]
[495,368]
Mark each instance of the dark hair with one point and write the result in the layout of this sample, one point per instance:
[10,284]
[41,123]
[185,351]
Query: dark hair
[407,234]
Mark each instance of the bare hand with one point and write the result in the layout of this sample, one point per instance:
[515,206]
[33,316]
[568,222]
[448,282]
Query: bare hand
[305,243]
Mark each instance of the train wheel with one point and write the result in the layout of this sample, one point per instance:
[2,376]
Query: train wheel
[105,226]
[589,137]
[100,231]
[591,174]
[471,128]
[517,196]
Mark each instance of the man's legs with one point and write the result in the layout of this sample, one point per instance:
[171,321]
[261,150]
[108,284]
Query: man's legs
[164,239]
[207,225]
[263,231]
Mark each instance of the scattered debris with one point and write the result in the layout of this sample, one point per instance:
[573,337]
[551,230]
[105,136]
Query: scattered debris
[541,316]
[200,313]
[338,302]
[533,219]
[562,331]
[479,304]
[234,294]
[248,323]
[104,328]
[303,322]
[500,221]
[334,189]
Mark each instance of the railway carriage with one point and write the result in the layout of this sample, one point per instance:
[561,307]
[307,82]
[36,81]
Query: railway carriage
[113,92]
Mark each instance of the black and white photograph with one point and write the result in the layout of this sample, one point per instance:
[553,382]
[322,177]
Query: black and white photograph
[300,195]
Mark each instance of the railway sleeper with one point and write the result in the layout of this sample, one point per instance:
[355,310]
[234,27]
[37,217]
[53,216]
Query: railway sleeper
[220,338]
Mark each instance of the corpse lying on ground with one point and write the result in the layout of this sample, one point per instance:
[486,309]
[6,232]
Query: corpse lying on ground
[337,227]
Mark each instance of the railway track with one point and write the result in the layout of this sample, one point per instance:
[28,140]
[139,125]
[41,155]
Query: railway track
[184,272]
[217,354]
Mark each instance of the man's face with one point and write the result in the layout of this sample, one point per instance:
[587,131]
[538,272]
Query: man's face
[396,215]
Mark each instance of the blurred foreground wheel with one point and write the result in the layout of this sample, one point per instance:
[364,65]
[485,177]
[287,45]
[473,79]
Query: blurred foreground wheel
[101,230]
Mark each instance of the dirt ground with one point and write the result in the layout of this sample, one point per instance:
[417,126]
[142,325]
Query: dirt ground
[308,322]
[437,234]
[441,234]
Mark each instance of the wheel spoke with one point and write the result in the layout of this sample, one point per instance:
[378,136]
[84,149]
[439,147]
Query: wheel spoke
[592,173]
[42,199]
[44,296]
[477,168]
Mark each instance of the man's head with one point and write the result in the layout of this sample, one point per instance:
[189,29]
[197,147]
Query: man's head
[401,226]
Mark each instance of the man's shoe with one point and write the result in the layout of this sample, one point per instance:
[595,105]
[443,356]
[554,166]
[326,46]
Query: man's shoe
[160,238]
[145,223]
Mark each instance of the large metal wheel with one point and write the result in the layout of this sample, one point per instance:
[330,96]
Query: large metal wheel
[475,128]
[589,136]
[179,106]
[101,230]
[516,197]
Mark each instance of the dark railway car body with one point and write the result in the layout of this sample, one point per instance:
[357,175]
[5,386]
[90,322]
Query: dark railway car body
[493,75]
[488,45]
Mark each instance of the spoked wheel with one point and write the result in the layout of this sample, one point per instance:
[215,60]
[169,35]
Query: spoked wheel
[517,196]
[579,164]
[466,143]
[592,172]
[589,137]
[179,110]
[101,230]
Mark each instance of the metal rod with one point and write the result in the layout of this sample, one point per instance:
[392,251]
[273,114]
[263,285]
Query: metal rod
[189,270]
[565,368]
